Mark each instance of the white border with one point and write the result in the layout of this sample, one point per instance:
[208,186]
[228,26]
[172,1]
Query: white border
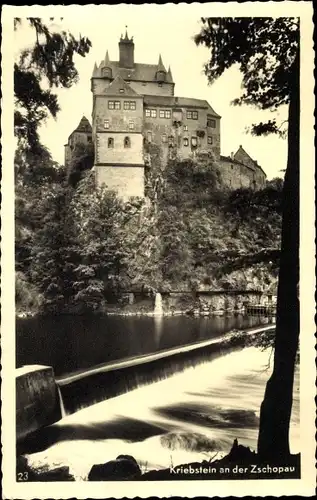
[306,485]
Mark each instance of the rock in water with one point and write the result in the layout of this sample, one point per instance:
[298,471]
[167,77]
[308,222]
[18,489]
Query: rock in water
[124,467]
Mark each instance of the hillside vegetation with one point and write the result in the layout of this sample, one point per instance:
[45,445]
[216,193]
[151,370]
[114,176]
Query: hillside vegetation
[78,246]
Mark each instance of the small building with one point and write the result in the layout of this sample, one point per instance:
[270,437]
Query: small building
[81,135]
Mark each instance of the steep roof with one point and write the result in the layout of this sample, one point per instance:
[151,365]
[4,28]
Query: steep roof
[242,151]
[119,86]
[153,100]
[83,126]
[140,72]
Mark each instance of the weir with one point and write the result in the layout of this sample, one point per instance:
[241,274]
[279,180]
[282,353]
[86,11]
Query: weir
[48,398]
[83,389]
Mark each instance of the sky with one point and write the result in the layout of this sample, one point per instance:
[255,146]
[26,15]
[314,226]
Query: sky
[167,30]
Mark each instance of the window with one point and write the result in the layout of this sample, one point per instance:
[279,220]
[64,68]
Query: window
[194,142]
[89,138]
[129,105]
[209,139]
[151,112]
[131,125]
[164,138]
[106,123]
[127,142]
[121,91]
[185,128]
[114,105]
[149,136]
[192,115]
[110,142]
[211,123]
[186,141]
[165,113]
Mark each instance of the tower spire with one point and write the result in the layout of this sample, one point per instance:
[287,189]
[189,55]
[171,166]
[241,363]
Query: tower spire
[107,60]
[160,66]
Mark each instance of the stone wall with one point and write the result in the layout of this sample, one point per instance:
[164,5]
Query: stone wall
[119,154]
[188,128]
[37,400]
[237,176]
[127,181]
[118,119]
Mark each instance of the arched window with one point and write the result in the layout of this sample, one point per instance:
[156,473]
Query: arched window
[110,142]
[127,142]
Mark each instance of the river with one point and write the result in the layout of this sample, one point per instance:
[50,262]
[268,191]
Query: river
[190,416]
[73,343]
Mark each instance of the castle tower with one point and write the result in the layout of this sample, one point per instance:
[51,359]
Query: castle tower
[126,52]
[118,139]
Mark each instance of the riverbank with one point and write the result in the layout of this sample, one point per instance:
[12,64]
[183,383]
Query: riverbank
[191,417]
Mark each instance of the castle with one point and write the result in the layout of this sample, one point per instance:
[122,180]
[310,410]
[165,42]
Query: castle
[134,105]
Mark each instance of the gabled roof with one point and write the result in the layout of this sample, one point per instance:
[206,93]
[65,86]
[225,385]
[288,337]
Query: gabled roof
[153,100]
[243,151]
[119,86]
[140,72]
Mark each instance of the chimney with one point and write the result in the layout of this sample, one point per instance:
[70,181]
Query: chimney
[126,52]
[232,156]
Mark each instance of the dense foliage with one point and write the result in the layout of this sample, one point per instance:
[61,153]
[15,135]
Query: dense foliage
[81,247]
[46,64]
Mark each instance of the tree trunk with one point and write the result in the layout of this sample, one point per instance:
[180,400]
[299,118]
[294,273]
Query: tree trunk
[273,441]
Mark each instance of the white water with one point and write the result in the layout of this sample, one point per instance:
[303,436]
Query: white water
[140,423]
[158,308]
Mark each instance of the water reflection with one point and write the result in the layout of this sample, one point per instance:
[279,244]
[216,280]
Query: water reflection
[72,343]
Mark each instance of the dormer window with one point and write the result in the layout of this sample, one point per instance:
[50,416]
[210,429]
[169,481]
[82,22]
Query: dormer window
[106,72]
[121,91]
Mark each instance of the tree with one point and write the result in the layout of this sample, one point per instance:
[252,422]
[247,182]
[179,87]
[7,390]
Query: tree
[267,52]
[47,64]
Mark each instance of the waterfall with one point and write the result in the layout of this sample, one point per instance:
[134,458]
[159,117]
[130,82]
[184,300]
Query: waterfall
[61,402]
[158,309]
